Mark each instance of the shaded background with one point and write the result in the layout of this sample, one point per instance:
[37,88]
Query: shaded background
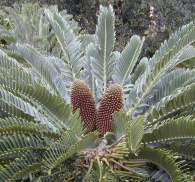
[154,19]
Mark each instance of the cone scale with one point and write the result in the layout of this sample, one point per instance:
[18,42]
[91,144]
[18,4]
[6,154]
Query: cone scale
[82,99]
[112,101]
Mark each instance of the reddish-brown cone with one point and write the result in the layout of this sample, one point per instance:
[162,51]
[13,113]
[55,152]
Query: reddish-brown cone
[112,101]
[81,98]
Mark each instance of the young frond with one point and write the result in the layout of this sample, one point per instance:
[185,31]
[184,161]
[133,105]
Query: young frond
[133,131]
[128,60]
[102,57]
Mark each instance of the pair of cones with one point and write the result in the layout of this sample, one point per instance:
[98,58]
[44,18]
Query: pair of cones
[101,118]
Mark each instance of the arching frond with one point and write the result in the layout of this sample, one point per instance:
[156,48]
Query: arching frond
[182,100]
[8,63]
[68,41]
[44,67]
[19,83]
[32,101]
[169,84]
[167,161]
[172,129]
[186,150]
[16,145]
[188,56]
[62,150]
[20,147]
[52,105]
[165,59]
[20,167]
[18,107]
[12,125]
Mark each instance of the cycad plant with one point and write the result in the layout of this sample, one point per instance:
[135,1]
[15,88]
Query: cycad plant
[94,114]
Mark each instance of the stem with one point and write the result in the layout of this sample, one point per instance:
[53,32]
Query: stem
[122,166]
[111,169]
[100,168]
[88,172]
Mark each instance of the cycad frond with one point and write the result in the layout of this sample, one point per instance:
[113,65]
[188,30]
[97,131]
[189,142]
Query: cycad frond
[188,57]
[69,42]
[164,60]
[43,67]
[20,167]
[172,129]
[132,130]
[167,161]
[186,150]
[49,105]
[170,106]
[7,62]
[103,57]
[18,107]
[37,104]
[169,84]
[11,126]
[62,150]
[128,60]
[15,145]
